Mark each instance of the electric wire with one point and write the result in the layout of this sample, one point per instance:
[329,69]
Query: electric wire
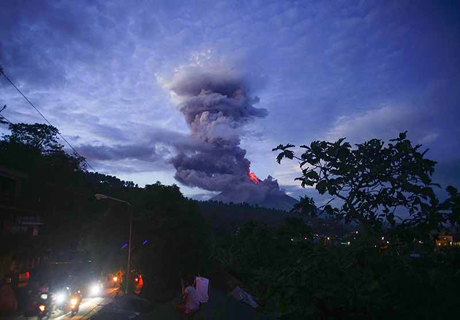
[41,114]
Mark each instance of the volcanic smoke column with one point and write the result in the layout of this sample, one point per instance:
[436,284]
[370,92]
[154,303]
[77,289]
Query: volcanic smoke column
[215,106]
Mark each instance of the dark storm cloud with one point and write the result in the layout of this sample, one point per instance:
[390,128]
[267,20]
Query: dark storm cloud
[151,148]
[157,147]
[119,152]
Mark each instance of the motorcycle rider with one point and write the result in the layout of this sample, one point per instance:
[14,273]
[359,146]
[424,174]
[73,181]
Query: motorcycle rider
[41,302]
[43,287]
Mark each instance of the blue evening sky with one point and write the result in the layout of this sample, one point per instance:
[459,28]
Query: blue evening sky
[101,72]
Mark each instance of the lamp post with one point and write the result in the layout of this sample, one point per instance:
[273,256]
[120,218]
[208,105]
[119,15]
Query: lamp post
[100,196]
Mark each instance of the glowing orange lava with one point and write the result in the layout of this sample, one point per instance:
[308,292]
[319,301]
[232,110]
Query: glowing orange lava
[253,177]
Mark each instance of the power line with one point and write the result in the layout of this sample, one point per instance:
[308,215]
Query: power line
[41,114]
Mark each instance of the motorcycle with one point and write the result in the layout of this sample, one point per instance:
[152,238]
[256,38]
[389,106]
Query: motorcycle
[68,300]
[41,305]
[46,306]
[61,298]
[74,303]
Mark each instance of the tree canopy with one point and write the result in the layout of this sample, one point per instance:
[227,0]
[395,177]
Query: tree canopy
[370,183]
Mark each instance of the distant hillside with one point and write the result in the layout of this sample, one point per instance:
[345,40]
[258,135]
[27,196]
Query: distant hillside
[227,218]
[271,201]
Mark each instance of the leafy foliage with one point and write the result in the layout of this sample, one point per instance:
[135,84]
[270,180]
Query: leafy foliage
[295,279]
[452,206]
[371,182]
[40,137]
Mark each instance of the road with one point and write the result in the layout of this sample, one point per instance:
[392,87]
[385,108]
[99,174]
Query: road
[88,307]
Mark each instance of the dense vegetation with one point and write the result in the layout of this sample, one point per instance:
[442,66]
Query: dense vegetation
[367,280]
[389,270]
[228,218]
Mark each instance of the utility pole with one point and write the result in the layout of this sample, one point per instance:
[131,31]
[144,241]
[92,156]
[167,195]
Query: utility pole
[99,196]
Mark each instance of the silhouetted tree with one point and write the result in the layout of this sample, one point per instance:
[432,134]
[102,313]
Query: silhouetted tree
[370,181]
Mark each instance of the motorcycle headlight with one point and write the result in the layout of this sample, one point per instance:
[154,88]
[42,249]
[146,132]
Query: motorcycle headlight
[95,289]
[73,301]
[42,308]
[60,297]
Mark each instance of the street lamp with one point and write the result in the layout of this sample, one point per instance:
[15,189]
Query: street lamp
[100,196]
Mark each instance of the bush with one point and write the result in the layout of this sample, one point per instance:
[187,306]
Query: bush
[298,280]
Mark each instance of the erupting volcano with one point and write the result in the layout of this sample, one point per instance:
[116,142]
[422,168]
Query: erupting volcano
[253,177]
[265,193]
[215,106]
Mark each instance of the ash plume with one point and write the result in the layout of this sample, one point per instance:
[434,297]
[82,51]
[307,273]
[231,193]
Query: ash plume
[215,106]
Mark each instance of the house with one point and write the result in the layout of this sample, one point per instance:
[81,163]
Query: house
[444,241]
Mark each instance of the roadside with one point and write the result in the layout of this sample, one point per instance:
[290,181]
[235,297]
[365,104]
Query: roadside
[88,307]
[220,307]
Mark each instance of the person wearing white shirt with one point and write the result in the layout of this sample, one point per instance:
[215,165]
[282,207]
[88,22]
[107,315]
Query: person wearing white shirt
[191,302]
[202,286]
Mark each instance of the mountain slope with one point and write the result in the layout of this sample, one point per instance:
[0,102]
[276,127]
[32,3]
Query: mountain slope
[271,201]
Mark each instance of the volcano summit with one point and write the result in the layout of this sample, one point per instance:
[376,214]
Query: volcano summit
[265,193]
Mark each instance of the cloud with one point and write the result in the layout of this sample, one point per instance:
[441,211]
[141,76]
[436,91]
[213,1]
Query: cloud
[448,173]
[429,138]
[321,69]
[203,196]
[153,151]
[119,152]
[383,123]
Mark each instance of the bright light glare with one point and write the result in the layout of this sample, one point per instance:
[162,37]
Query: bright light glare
[73,302]
[95,290]
[115,279]
[60,297]
[42,308]
[44,296]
